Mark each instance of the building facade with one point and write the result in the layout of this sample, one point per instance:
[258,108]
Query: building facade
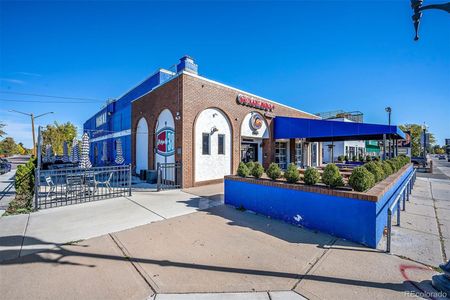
[209,128]
[206,126]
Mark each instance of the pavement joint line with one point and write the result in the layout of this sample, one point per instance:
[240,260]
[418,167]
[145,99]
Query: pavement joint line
[145,208]
[418,231]
[23,236]
[315,263]
[268,295]
[136,266]
[441,237]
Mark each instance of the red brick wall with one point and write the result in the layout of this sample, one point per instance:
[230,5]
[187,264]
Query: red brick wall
[190,95]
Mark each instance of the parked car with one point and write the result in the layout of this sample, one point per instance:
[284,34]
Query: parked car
[442,157]
[419,161]
[5,166]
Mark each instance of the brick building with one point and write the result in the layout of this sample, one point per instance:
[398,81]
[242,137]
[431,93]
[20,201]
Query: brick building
[209,128]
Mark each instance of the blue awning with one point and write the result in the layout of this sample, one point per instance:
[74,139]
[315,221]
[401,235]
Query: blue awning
[326,130]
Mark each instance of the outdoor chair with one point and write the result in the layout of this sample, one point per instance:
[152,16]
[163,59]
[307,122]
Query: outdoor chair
[106,183]
[51,185]
[75,185]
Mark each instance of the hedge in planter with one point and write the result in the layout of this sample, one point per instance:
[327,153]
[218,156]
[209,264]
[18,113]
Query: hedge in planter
[243,170]
[292,174]
[257,170]
[311,176]
[250,165]
[274,171]
[376,169]
[331,176]
[387,169]
[361,179]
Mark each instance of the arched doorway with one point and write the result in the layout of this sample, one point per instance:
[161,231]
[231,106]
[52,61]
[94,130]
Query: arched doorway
[142,145]
[213,150]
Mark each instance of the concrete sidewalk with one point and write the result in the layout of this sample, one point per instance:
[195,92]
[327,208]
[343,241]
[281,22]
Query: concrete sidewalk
[24,234]
[424,232]
[214,251]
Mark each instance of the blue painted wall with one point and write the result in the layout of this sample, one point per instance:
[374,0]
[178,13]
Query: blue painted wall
[356,220]
[118,120]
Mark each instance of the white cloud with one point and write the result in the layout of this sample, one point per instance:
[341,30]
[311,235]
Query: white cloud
[12,80]
[28,74]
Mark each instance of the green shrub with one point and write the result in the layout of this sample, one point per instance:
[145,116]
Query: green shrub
[376,169]
[376,158]
[243,170]
[387,169]
[250,165]
[292,174]
[311,176]
[393,165]
[24,185]
[361,179]
[354,158]
[361,158]
[340,158]
[274,171]
[331,176]
[257,170]
[368,158]
[346,158]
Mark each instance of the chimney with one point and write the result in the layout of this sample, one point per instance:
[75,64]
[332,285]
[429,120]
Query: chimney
[187,64]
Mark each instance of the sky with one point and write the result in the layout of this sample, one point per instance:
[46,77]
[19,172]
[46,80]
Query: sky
[313,55]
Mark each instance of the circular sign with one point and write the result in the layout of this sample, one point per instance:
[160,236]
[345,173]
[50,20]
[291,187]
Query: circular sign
[256,121]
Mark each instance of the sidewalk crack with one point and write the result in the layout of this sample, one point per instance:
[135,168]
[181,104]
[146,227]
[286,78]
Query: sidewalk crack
[441,237]
[23,236]
[153,286]
[315,262]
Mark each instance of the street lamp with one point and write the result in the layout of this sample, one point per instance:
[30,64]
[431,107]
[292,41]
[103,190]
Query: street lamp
[389,111]
[424,128]
[32,124]
[417,7]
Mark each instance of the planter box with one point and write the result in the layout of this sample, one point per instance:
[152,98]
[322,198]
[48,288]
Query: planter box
[359,217]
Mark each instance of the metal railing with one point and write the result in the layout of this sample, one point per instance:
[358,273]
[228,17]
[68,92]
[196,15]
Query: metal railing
[169,176]
[60,187]
[403,194]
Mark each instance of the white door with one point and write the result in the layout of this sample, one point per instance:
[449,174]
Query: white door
[142,146]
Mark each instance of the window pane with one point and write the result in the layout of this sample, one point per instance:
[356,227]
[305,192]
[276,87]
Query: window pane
[205,143]
[221,141]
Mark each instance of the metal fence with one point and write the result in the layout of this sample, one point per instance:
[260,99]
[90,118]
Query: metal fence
[60,187]
[169,176]
[401,196]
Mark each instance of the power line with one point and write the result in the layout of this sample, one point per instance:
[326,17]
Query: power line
[50,96]
[44,101]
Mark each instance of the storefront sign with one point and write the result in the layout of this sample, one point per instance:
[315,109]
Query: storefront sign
[252,102]
[165,141]
[256,122]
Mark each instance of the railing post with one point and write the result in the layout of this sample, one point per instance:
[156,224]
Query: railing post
[404,198]
[398,213]
[158,180]
[388,236]
[129,180]
[36,188]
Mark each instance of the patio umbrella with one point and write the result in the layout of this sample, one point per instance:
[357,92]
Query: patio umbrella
[74,155]
[47,156]
[85,163]
[65,157]
[119,154]
[104,152]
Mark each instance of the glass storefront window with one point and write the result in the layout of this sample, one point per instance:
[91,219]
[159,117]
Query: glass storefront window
[281,154]
[298,154]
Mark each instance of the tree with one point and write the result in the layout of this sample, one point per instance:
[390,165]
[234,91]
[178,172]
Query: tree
[416,132]
[56,134]
[8,146]
[2,133]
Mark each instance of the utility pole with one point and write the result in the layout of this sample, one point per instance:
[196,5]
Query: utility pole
[31,115]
